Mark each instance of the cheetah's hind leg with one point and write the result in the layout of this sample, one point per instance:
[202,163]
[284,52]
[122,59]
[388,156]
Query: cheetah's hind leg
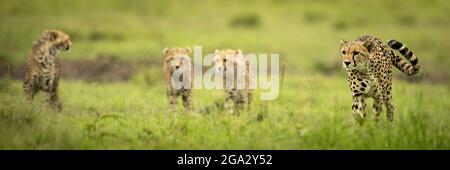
[53,100]
[30,91]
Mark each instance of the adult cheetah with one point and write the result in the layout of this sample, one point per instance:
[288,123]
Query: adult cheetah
[43,67]
[368,62]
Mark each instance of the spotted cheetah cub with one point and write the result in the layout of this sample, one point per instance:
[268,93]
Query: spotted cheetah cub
[368,62]
[235,68]
[177,60]
[43,67]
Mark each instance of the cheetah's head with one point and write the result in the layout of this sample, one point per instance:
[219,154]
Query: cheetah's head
[177,57]
[355,54]
[226,57]
[58,39]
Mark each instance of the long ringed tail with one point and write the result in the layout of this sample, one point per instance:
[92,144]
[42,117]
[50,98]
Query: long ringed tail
[411,65]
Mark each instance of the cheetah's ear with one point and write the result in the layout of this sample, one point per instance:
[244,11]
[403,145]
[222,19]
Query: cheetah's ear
[343,41]
[188,49]
[165,50]
[51,35]
[217,51]
[369,45]
[239,52]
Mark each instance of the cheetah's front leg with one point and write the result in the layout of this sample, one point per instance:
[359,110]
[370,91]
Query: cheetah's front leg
[172,100]
[187,101]
[358,108]
[230,102]
[249,100]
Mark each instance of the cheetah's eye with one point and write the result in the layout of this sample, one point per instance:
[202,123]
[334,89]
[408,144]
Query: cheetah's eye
[343,52]
[355,53]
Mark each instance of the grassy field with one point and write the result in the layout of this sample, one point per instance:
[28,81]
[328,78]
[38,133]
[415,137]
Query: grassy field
[313,110]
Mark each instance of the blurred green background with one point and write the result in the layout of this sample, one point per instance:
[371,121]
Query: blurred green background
[305,33]
[114,73]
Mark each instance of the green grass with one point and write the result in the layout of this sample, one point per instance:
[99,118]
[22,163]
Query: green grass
[309,114]
[313,110]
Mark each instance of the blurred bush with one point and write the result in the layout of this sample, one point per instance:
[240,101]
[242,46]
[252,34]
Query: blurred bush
[246,21]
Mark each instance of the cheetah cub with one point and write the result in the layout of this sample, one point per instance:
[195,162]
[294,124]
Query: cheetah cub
[43,66]
[230,63]
[368,62]
[177,60]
